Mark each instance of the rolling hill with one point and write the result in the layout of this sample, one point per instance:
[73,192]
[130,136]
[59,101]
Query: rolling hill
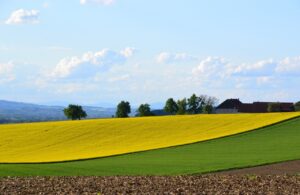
[74,140]
[275,143]
[15,112]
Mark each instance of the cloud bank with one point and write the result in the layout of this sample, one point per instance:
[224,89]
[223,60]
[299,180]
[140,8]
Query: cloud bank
[111,74]
[90,63]
[219,66]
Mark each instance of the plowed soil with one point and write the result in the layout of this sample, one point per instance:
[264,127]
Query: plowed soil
[208,184]
[280,178]
[283,168]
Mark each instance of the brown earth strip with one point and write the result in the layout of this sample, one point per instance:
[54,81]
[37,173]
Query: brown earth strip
[206,184]
[288,167]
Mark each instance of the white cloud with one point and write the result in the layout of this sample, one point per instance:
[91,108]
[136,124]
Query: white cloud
[218,74]
[90,63]
[109,73]
[6,72]
[212,67]
[263,67]
[290,65]
[163,57]
[220,67]
[166,57]
[65,66]
[102,2]
[22,16]
[128,51]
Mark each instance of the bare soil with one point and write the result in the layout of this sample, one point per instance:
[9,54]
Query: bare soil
[280,178]
[283,168]
[207,184]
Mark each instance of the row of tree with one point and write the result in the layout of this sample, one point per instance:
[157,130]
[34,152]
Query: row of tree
[193,105]
[124,109]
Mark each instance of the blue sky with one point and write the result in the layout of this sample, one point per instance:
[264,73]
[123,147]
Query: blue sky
[98,52]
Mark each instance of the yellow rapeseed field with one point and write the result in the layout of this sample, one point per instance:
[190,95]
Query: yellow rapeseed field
[72,140]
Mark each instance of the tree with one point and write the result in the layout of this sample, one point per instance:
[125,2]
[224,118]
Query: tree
[144,110]
[74,112]
[123,109]
[196,104]
[297,106]
[210,100]
[274,107]
[202,102]
[182,104]
[193,104]
[171,106]
[208,109]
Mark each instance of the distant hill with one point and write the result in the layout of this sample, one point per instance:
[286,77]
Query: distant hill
[14,112]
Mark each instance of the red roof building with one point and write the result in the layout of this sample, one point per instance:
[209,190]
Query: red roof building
[236,106]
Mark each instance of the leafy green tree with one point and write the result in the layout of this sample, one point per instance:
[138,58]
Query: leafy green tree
[144,110]
[182,106]
[196,104]
[207,109]
[74,112]
[123,109]
[297,106]
[193,104]
[171,106]
[274,107]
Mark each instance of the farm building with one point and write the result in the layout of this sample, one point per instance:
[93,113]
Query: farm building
[229,106]
[236,106]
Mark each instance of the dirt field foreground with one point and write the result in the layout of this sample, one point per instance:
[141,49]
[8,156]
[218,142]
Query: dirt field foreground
[279,178]
[207,184]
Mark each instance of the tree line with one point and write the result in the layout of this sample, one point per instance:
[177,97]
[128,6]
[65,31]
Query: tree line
[192,105]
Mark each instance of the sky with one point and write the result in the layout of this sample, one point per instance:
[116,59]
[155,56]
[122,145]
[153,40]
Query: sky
[99,52]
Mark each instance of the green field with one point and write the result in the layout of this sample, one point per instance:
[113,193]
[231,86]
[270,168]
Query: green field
[276,143]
